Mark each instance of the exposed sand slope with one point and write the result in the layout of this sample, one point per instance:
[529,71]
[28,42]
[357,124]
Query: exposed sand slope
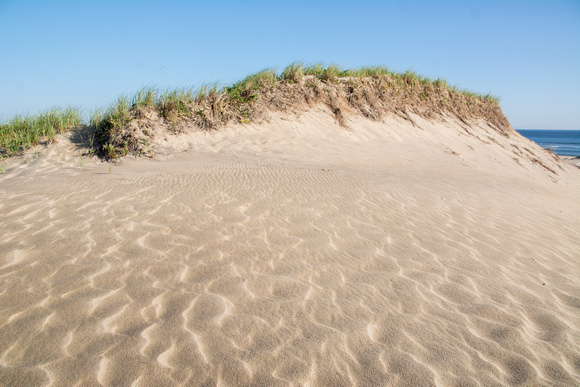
[295,252]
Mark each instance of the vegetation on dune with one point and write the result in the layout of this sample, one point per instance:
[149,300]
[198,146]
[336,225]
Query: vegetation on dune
[293,73]
[23,131]
[126,126]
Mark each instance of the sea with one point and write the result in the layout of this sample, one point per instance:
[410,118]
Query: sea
[561,142]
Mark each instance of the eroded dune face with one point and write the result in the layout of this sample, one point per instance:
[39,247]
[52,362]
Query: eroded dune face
[296,252]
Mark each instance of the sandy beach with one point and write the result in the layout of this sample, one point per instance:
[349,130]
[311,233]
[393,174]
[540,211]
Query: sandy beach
[294,252]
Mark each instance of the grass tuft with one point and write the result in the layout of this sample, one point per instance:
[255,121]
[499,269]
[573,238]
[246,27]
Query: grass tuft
[174,103]
[205,91]
[24,131]
[316,69]
[331,73]
[111,124]
[293,73]
[147,96]
[369,71]
[244,91]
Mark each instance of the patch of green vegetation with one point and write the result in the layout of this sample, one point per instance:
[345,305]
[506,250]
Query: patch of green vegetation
[329,74]
[174,104]
[147,96]
[207,90]
[332,73]
[170,101]
[113,120]
[475,96]
[244,91]
[110,125]
[490,97]
[23,131]
[293,73]
[367,71]
[411,79]
[440,83]
[316,69]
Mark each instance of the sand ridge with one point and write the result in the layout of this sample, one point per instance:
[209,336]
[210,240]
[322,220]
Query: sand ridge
[295,252]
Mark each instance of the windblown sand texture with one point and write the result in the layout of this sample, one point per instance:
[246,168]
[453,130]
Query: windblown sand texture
[295,252]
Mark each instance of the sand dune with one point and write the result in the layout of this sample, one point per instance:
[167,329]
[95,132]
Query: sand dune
[295,252]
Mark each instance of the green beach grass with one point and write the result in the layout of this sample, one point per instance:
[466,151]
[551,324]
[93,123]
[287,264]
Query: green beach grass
[22,132]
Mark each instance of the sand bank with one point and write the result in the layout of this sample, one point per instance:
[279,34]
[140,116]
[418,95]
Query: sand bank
[295,252]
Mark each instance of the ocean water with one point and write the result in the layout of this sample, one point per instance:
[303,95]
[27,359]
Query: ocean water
[561,142]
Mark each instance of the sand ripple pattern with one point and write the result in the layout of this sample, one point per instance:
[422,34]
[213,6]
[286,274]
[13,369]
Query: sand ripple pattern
[254,272]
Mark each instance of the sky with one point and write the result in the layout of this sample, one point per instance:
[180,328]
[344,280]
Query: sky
[88,53]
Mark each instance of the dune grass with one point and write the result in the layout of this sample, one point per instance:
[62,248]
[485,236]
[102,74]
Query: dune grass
[22,132]
[293,73]
[368,71]
[330,73]
[245,90]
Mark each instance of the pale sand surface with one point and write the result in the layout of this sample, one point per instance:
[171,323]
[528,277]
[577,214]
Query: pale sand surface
[574,160]
[295,252]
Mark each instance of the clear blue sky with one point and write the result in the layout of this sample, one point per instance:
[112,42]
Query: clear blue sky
[87,53]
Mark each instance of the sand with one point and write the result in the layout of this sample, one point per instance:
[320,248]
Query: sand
[574,160]
[296,252]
